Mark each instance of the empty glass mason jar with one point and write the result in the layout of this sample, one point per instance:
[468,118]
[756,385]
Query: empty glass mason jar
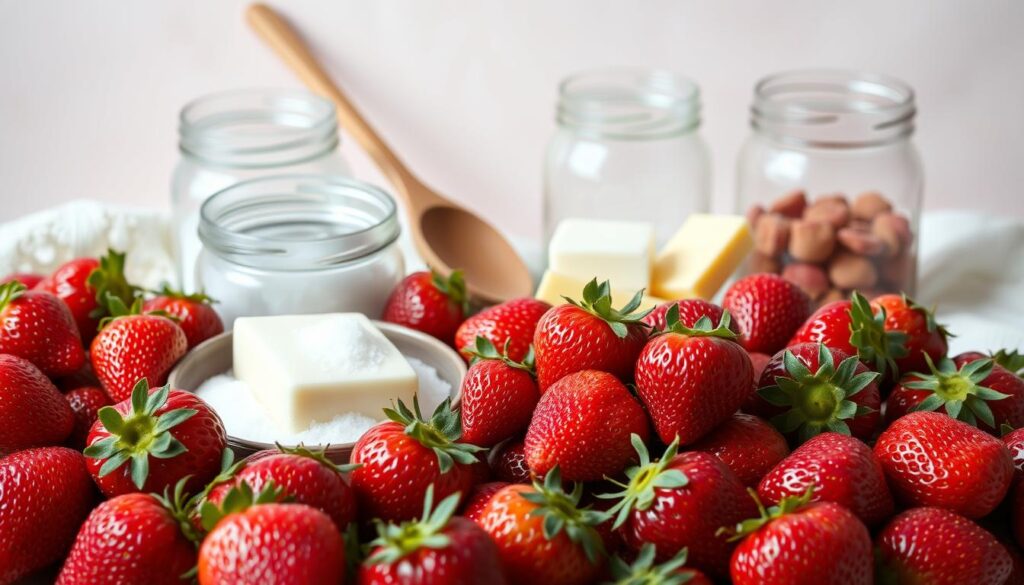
[229,137]
[627,148]
[832,182]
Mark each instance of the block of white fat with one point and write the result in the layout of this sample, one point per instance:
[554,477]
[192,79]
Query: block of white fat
[310,368]
[618,251]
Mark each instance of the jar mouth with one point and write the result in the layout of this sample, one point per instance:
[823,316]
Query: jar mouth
[629,104]
[298,222]
[257,128]
[833,108]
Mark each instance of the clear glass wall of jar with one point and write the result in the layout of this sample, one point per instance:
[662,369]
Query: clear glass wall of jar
[832,182]
[299,244]
[627,148]
[230,137]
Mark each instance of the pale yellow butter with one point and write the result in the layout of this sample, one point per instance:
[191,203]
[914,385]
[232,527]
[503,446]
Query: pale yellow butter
[618,251]
[553,287]
[701,256]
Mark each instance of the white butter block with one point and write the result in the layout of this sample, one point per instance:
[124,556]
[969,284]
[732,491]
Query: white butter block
[701,256]
[618,251]
[554,287]
[311,368]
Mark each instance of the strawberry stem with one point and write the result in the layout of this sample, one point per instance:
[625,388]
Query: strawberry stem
[643,571]
[485,350]
[440,434]
[959,391]
[597,300]
[561,511]
[638,493]
[398,540]
[108,281]
[874,344]
[453,287]
[10,291]
[787,505]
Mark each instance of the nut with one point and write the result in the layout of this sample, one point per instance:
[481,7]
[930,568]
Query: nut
[832,295]
[852,271]
[833,211]
[869,205]
[791,204]
[809,277]
[861,241]
[762,263]
[753,213]
[771,234]
[894,231]
[811,241]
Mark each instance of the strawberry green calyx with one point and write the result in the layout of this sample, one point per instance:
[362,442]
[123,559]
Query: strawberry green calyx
[238,499]
[108,281]
[597,300]
[117,309]
[166,290]
[180,506]
[453,287]
[10,291]
[638,493]
[702,328]
[959,391]
[787,505]
[817,401]
[320,456]
[643,571]
[929,317]
[140,435]
[1011,360]
[874,344]
[398,540]
[440,434]
[484,350]
[561,511]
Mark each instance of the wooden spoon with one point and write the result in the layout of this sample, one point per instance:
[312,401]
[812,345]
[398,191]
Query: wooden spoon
[446,235]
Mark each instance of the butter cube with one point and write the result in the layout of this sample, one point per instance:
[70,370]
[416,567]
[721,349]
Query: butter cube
[617,251]
[553,287]
[310,368]
[701,256]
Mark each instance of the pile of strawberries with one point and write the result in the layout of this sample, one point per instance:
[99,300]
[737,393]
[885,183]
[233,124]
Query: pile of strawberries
[592,443]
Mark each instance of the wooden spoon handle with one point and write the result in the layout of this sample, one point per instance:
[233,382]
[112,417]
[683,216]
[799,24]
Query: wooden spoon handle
[283,39]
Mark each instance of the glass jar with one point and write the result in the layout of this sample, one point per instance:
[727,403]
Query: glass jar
[298,244]
[229,137]
[627,148]
[832,182]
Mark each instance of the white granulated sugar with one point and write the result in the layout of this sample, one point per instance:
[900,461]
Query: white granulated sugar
[340,346]
[245,418]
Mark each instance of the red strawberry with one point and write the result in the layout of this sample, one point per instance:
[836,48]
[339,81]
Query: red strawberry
[29,279]
[133,538]
[543,536]
[399,459]
[435,549]
[759,361]
[498,396]
[644,571]
[856,329]
[84,283]
[38,327]
[254,540]
[583,424]
[154,439]
[1016,500]
[302,476]
[690,311]
[939,547]
[799,543]
[32,412]
[83,377]
[931,459]
[194,314]
[85,403]
[979,393]
[133,346]
[767,309]
[692,379]
[1012,360]
[512,322]
[589,335]
[479,498]
[803,392]
[923,336]
[1014,441]
[841,469]
[681,501]
[429,302]
[45,494]
[749,445]
[508,461]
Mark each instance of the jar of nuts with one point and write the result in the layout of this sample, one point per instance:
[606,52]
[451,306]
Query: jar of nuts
[831,182]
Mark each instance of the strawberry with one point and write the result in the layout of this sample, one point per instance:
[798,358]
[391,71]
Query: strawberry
[931,459]
[84,283]
[939,547]
[133,346]
[856,329]
[45,494]
[498,395]
[83,377]
[512,322]
[400,458]
[85,403]
[38,327]
[643,571]
[134,538]
[429,302]
[29,279]
[302,476]
[254,540]
[32,411]
[479,497]
[162,436]
[508,461]
[194,313]
[690,311]
[680,501]
[923,337]
[842,470]
[1014,441]
[979,393]
[543,536]
[801,542]
[767,309]
[691,379]
[437,549]
[1011,360]
[582,425]
[804,393]
[1016,501]
[749,445]
[759,361]
[589,335]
